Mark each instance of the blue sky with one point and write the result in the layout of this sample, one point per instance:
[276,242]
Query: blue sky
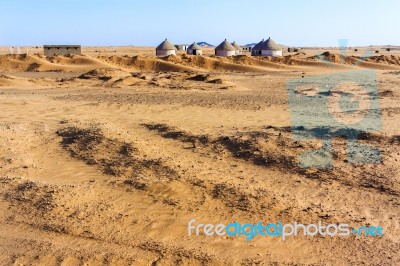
[124,22]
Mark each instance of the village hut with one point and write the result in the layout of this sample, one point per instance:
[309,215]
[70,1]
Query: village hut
[267,48]
[165,48]
[238,48]
[256,50]
[194,49]
[225,49]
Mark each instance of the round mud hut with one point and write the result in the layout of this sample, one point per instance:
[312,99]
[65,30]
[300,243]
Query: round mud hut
[267,48]
[165,48]
[256,50]
[225,49]
[194,49]
[238,48]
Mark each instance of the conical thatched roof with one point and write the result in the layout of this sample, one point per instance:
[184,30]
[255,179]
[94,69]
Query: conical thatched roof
[270,45]
[166,45]
[194,46]
[225,46]
[237,46]
[258,45]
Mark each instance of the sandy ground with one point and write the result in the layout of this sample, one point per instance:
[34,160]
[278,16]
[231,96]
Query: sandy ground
[104,159]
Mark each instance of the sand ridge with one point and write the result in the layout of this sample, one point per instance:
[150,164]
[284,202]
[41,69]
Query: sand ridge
[190,63]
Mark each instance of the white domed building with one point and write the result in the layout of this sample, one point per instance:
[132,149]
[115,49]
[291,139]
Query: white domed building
[267,48]
[165,48]
[256,50]
[194,49]
[238,48]
[225,49]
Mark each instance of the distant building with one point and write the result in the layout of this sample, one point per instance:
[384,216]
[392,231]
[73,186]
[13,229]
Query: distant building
[225,49]
[194,49]
[181,47]
[267,48]
[292,49]
[256,50]
[238,48]
[166,48]
[17,50]
[52,50]
[247,48]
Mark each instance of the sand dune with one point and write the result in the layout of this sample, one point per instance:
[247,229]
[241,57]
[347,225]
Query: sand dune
[13,81]
[382,62]
[138,63]
[42,64]
[188,63]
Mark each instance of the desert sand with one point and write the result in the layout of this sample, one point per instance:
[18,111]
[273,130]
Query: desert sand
[106,156]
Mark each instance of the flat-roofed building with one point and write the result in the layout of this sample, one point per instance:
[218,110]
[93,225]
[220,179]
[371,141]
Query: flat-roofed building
[52,50]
